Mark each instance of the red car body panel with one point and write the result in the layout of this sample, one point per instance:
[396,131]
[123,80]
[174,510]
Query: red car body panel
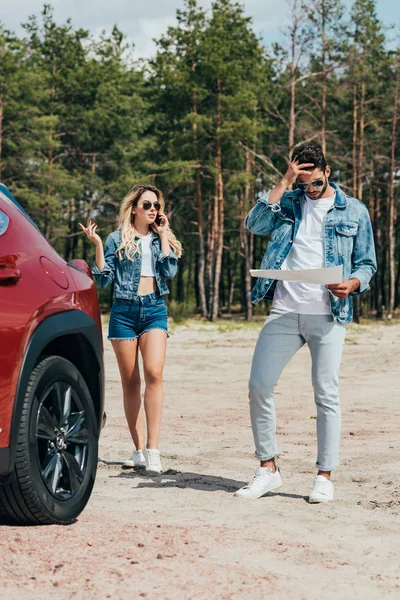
[35,282]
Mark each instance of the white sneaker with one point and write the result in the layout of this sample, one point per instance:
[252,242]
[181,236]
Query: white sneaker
[153,461]
[137,461]
[322,490]
[264,481]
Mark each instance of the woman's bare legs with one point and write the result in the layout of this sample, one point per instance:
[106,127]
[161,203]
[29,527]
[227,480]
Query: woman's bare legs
[126,352]
[153,346]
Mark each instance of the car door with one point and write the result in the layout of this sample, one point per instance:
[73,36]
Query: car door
[25,287]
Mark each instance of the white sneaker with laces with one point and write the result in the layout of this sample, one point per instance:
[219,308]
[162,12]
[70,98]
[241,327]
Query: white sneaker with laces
[153,461]
[137,461]
[264,480]
[322,490]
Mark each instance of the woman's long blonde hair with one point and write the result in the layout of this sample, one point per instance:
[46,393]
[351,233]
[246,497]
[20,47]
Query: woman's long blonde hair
[129,235]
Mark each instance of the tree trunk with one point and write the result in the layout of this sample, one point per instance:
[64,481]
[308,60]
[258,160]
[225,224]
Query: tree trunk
[213,215]
[356,301]
[189,277]
[391,198]
[227,268]
[202,260]
[378,242]
[196,284]
[361,146]
[200,218]
[355,121]
[383,275]
[218,223]
[231,292]
[397,294]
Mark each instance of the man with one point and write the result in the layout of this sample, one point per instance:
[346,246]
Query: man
[314,226]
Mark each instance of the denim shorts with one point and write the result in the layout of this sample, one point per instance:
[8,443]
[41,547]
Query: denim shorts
[129,319]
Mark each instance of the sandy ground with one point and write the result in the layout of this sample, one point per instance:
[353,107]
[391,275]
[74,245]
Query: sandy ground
[183,535]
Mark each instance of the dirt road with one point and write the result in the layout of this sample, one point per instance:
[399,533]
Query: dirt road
[184,536]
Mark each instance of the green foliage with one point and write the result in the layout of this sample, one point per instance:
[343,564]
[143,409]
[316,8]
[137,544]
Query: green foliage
[181,312]
[81,122]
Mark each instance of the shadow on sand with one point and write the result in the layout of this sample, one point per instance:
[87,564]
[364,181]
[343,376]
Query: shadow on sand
[195,481]
[177,479]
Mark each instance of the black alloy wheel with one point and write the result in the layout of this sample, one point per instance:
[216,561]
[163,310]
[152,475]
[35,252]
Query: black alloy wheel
[62,440]
[56,457]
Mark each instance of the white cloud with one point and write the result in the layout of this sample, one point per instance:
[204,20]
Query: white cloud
[150,28]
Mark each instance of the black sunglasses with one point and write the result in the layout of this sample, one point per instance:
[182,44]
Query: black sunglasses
[147,205]
[316,183]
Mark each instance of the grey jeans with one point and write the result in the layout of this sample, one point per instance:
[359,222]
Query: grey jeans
[282,335]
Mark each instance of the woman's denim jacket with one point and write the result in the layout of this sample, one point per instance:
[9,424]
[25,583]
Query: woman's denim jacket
[349,241]
[126,273]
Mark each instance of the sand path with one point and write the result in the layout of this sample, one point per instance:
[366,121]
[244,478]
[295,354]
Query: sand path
[184,535]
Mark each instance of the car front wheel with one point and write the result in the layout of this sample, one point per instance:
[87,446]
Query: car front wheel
[56,457]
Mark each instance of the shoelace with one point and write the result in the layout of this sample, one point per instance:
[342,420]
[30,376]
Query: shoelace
[154,460]
[257,475]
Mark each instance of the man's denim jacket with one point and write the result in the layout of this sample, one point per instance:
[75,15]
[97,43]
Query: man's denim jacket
[349,241]
[126,273]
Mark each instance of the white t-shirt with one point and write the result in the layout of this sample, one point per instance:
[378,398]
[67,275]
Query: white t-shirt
[307,252]
[147,257]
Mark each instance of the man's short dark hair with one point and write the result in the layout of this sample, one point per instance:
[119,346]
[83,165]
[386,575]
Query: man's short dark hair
[310,153]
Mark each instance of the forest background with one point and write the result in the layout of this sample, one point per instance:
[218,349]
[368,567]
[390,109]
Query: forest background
[211,120]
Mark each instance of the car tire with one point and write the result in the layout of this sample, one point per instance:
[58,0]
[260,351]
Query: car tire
[57,448]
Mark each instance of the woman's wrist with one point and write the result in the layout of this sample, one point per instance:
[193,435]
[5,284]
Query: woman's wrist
[165,243]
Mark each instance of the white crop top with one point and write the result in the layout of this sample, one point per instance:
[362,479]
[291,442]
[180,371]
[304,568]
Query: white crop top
[147,257]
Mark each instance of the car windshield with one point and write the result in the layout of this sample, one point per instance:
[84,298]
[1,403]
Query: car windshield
[8,196]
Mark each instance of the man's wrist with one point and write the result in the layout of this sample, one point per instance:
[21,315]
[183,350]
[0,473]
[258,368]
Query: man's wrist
[279,190]
[285,182]
[355,284]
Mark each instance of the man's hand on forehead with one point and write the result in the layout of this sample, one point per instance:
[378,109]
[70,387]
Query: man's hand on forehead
[295,170]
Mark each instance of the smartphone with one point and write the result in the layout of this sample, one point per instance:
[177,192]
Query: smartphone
[158,219]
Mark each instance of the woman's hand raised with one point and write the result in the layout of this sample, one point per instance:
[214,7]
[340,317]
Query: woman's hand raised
[90,232]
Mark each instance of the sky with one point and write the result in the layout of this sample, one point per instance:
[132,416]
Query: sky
[144,20]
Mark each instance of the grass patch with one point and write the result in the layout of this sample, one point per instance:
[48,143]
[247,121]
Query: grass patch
[180,313]
[228,326]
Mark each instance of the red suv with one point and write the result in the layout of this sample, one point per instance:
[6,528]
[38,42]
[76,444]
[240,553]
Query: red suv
[51,375]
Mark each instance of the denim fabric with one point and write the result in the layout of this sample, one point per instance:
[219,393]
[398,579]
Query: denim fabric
[349,241]
[281,337]
[129,319]
[126,273]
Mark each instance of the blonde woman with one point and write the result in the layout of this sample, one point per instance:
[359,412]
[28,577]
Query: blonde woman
[139,256]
